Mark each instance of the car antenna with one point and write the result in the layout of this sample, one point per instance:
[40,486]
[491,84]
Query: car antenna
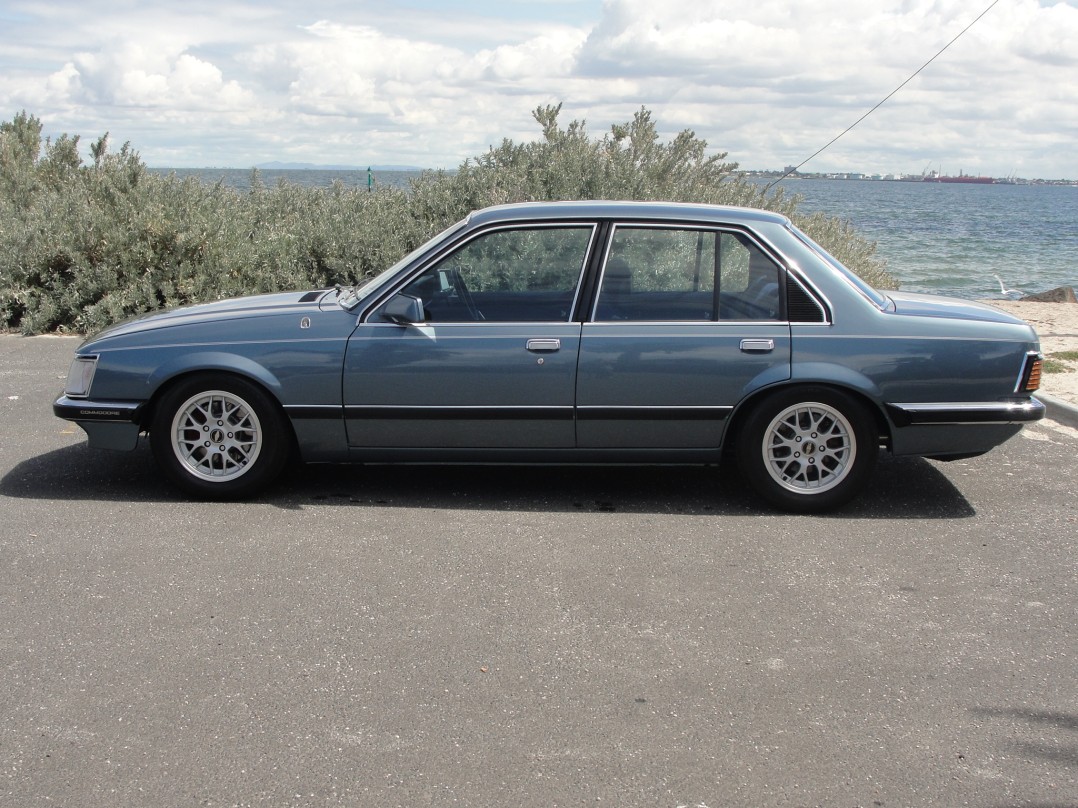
[881,103]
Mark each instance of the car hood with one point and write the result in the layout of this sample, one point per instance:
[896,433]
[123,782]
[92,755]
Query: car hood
[231,309]
[918,305]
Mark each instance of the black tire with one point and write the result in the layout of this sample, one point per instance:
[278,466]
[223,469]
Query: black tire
[808,449]
[219,437]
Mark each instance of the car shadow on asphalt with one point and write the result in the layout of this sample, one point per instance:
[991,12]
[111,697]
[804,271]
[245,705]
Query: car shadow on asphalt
[900,488]
[1044,737]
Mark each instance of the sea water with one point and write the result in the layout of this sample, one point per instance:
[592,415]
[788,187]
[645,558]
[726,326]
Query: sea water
[950,239]
[953,239]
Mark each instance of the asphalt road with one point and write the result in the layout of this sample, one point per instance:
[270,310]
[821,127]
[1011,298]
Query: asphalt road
[529,637]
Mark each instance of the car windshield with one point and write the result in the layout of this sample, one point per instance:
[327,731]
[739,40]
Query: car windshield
[349,298]
[878,299]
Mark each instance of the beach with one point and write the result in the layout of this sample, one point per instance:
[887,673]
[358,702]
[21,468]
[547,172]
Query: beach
[1057,326]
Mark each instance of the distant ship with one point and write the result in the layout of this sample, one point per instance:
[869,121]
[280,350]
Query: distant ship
[935,176]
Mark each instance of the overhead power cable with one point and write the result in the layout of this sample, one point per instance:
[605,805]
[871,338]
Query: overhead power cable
[884,101]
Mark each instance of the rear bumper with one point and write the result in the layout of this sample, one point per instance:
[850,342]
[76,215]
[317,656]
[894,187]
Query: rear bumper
[943,430]
[979,412]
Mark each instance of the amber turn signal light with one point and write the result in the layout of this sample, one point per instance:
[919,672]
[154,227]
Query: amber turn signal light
[1033,375]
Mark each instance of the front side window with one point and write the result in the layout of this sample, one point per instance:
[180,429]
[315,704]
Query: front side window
[520,275]
[667,274]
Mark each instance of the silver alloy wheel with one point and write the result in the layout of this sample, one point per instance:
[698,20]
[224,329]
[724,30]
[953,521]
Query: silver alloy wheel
[809,448]
[216,436]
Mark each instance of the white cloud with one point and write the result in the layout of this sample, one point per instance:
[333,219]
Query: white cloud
[343,70]
[144,76]
[541,58]
[644,38]
[768,81]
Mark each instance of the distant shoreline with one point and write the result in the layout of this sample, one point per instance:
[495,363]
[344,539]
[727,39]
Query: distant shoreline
[760,174]
[858,177]
[295,167]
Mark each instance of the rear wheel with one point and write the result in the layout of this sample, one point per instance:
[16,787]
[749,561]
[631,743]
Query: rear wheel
[219,437]
[809,449]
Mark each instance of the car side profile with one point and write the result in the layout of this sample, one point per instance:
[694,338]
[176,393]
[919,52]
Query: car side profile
[570,332]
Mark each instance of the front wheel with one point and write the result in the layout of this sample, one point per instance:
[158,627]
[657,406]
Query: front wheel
[808,449]
[219,437]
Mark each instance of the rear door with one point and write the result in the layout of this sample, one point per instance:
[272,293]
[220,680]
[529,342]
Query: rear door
[686,321]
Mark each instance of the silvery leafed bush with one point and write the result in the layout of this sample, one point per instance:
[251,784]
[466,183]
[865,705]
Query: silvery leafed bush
[83,246]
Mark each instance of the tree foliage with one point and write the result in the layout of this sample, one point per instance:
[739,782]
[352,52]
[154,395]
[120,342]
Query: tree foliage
[82,246]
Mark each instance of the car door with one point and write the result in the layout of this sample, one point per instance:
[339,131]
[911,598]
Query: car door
[686,321]
[487,358]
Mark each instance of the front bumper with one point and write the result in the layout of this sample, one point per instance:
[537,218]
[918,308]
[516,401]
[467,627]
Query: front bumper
[107,424]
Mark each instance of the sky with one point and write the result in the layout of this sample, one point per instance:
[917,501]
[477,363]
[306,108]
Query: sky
[430,83]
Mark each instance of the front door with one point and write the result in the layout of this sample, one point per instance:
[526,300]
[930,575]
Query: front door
[491,360]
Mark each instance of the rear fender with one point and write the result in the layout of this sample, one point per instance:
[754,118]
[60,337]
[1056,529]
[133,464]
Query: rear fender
[819,373]
[837,376]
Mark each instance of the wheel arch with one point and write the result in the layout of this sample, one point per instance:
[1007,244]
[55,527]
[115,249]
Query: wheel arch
[856,392]
[166,377]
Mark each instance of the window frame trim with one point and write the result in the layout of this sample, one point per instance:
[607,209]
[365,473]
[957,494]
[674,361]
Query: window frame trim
[430,260]
[719,229]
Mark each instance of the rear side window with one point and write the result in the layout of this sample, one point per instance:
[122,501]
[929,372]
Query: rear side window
[877,298]
[672,274]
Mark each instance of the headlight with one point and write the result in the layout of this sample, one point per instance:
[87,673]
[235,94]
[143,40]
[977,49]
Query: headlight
[81,376]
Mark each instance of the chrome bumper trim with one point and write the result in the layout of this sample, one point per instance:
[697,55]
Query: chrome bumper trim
[958,412]
[77,409]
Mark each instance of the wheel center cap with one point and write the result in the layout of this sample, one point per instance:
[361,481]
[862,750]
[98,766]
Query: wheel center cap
[217,436]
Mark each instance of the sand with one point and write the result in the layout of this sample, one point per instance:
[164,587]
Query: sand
[1057,326]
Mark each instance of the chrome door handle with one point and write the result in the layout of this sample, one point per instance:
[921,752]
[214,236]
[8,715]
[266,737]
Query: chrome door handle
[757,345]
[544,345]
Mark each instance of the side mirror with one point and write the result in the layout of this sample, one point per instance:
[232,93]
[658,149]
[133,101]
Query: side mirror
[404,310]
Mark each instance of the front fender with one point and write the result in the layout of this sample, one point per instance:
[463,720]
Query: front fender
[202,361]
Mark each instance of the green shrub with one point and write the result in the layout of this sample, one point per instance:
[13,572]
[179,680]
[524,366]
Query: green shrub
[83,246]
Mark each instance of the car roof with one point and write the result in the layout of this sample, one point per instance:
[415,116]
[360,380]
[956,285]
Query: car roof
[604,209]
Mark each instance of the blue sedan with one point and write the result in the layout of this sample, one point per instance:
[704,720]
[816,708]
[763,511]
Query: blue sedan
[570,332]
